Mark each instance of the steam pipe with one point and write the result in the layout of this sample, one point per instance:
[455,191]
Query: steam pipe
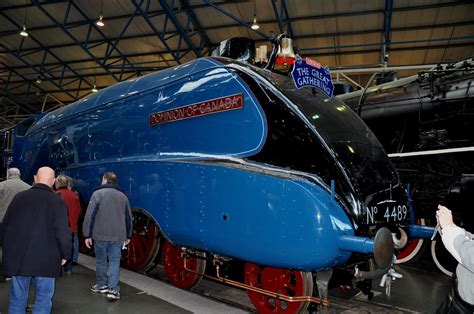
[244,286]
[419,231]
[356,244]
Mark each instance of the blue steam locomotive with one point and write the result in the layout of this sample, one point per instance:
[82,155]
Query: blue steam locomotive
[227,161]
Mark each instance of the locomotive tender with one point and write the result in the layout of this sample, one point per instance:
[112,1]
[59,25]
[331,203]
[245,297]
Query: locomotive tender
[231,161]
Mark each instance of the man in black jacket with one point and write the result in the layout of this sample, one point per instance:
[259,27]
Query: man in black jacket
[36,241]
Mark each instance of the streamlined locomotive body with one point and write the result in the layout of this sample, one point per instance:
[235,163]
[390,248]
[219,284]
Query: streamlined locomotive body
[426,124]
[230,161]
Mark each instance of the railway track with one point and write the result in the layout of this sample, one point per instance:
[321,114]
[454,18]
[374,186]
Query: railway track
[339,303]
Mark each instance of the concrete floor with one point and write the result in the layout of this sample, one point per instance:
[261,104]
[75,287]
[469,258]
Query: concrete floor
[420,291]
[72,295]
[139,295]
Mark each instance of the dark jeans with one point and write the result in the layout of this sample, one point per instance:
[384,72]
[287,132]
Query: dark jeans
[112,251]
[75,253]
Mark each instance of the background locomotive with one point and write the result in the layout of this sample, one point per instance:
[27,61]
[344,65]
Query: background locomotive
[426,124]
[222,160]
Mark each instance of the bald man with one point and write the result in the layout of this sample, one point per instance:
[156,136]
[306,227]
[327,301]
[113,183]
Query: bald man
[36,241]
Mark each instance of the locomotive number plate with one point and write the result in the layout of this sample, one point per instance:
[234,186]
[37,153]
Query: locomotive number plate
[386,212]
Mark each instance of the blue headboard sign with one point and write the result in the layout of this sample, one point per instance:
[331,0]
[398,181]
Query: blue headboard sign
[309,73]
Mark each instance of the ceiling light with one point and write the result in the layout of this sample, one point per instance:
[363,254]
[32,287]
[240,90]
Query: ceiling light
[100,21]
[94,89]
[23,32]
[254,25]
[38,80]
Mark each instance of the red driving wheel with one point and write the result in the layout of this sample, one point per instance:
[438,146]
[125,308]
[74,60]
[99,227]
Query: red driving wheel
[173,264]
[284,281]
[144,244]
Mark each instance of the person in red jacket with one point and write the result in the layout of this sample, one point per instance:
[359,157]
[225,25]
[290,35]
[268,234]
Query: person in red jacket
[74,209]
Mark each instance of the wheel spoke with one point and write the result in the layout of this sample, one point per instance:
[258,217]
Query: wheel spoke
[285,282]
[173,264]
[144,244]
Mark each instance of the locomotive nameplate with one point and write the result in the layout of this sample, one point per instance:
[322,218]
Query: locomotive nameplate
[387,211]
[227,103]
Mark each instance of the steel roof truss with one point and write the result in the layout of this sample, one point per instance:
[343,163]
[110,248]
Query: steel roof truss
[287,18]
[39,72]
[235,18]
[387,24]
[77,41]
[183,31]
[96,28]
[113,43]
[144,14]
[278,16]
[205,41]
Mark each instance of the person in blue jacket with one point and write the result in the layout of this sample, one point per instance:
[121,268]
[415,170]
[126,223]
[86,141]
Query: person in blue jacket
[108,222]
[460,244]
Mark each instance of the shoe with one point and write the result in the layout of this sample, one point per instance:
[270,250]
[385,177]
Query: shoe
[97,289]
[67,273]
[113,295]
[29,308]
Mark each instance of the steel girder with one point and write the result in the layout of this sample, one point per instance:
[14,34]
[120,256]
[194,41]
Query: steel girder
[309,51]
[195,21]
[324,35]
[183,31]
[149,68]
[193,7]
[284,24]
[43,72]
[84,44]
[235,18]
[176,54]
[387,24]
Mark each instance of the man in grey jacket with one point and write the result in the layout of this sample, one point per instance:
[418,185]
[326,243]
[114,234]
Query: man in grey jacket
[460,244]
[108,222]
[8,189]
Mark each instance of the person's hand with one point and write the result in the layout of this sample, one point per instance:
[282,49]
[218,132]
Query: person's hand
[444,216]
[63,261]
[126,242]
[88,243]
